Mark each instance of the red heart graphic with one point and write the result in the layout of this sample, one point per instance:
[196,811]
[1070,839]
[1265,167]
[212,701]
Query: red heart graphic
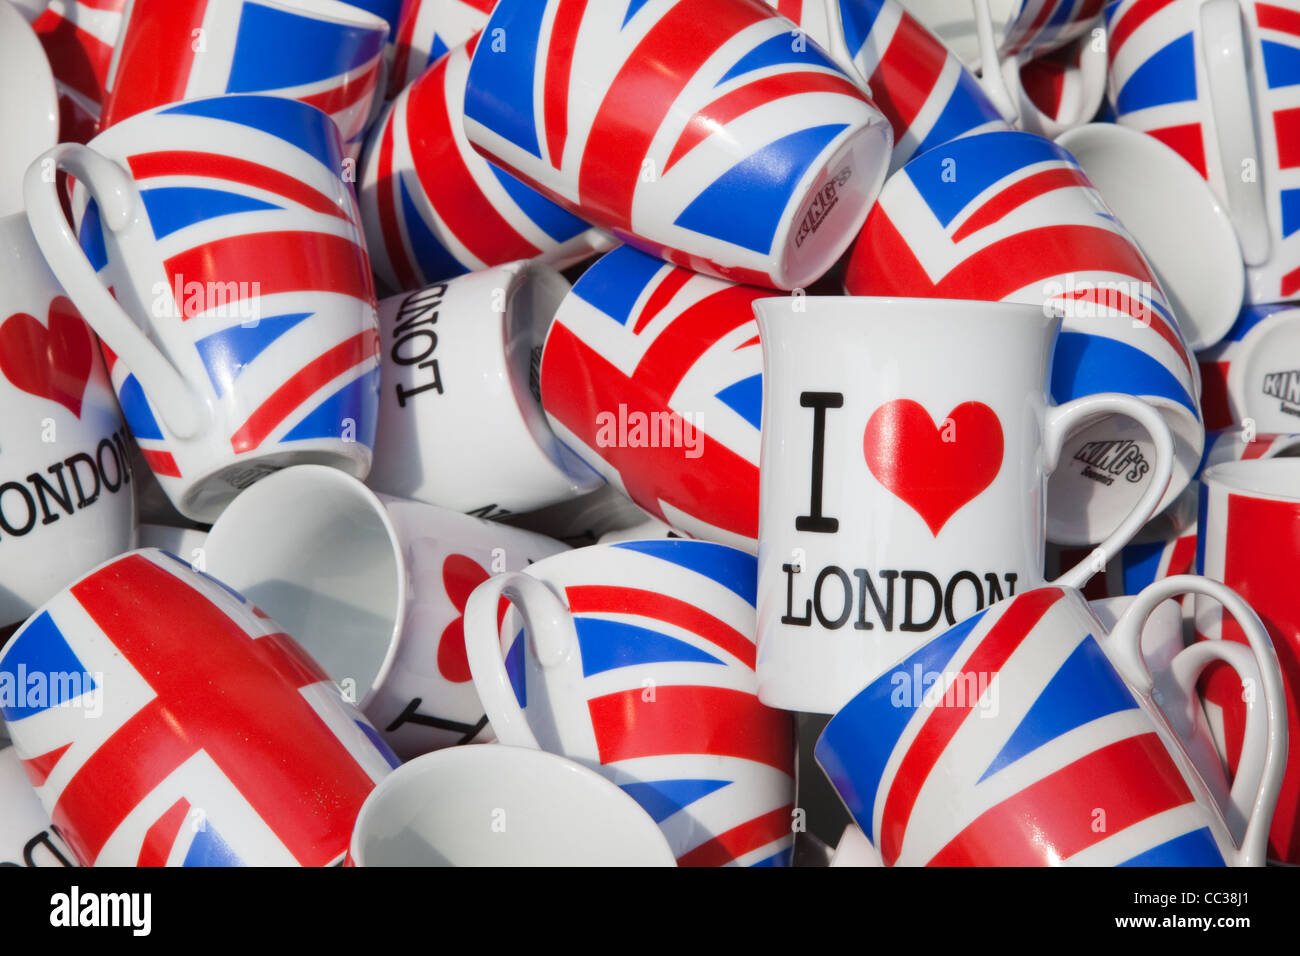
[52,362]
[935,470]
[460,576]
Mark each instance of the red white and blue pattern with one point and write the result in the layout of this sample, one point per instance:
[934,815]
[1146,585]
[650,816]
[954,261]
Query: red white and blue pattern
[287,250]
[229,749]
[553,105]
[1240,542]
[433,208]
[998,742]
[79,37]
[1158,79]
[923,89]
[429,28]
[247,47]
[1277,86]
[672,698]
[648,342]
[1042,25]
[1009,216]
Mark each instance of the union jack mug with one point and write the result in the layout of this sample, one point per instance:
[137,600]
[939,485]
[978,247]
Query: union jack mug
[712,133]
[164,720]
[377,588]
[636,660]
[1028,736]
[222,263]
[323,53]
[1217,81]
[1246,539]
[1009,216]
[433,208]
[653,375]
[906,449]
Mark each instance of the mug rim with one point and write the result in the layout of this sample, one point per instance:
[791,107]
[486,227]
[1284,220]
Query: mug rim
[1262,478]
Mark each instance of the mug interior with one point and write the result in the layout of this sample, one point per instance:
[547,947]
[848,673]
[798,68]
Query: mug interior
[502,806]
[315,549]
[1178,222]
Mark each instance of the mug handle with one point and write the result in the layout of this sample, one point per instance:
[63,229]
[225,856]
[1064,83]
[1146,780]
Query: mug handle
[120,208]
[546,623]
[1062,419]
[1228,75]
[991,79]
[1259,775]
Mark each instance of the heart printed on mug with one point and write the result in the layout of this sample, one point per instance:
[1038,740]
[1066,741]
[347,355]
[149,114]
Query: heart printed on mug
[460,576]
[66,344]
[934,469]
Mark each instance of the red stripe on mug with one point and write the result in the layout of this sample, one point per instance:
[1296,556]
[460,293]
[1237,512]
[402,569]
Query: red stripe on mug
[1017,621]
[742,839]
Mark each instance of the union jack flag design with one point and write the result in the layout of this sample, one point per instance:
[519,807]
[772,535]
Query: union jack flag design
[429,28]
[1042,25]
[79,37]
[1219,408]
[553,106]
[1009,216]
[996,742]
[1158,79]
[641,344]
[228,748]
[246,47]
[1238,543]
[701,755]
[924,91]
[249,240]
[433,208]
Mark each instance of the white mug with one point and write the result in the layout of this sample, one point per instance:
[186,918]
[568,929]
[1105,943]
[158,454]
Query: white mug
[374,588]
[66,488]
[502,806]
[458,375]
[927,436]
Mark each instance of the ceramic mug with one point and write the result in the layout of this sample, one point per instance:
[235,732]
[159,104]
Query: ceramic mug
[1251,378]
[66,488]
[222,264]
[323,53]
[926,437]
[1028,736]
[1212,79]
[177,724]
[637,660]
[677,148]
[1248,510]
[377,586]
[27,838]
[459,372]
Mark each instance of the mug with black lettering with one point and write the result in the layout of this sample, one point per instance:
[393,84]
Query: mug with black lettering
[460,371]
[926,437]
[66,500]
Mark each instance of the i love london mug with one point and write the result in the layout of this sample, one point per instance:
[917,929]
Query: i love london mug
[927,438]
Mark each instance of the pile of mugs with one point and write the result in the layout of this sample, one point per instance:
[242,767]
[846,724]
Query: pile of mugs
[560,432]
